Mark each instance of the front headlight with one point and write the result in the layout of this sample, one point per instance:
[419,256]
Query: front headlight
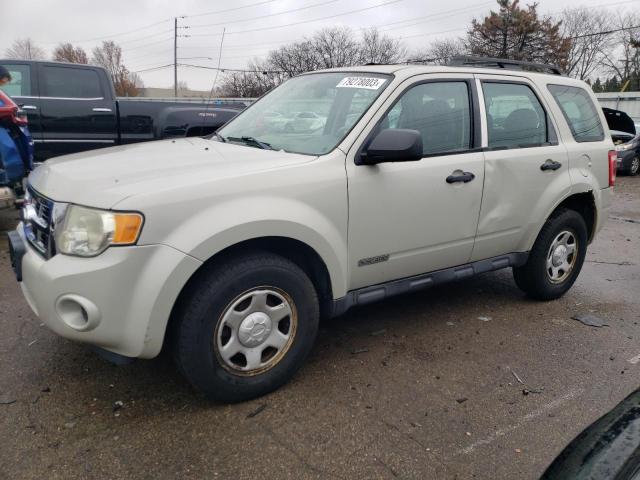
[87,232]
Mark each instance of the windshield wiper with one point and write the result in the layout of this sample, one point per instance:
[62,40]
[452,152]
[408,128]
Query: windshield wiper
[219,137]
[251,141]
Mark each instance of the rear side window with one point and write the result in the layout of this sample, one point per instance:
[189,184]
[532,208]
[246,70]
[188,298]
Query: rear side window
[579,111]
[440,111]
[20,84]
[515,117]
[68,82]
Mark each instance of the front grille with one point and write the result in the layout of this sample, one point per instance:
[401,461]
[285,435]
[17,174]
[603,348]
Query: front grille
[37,216]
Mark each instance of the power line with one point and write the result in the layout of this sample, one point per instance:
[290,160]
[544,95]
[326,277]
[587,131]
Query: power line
[301,22]
[605,32]
[229,9]
[144,27]
[146,37]
[107,37]
[260,17]
[431,33]
[159,67]
[137,47]
[442,14]
[222,69]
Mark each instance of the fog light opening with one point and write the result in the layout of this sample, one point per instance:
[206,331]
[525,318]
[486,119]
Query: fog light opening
[78,312]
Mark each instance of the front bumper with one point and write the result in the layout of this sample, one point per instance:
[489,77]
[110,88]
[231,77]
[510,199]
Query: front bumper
[119,301]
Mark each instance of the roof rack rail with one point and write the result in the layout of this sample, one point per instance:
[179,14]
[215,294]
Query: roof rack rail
[467,60]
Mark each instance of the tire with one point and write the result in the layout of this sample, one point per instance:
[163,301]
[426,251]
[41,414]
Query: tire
[634,166]
[225,309]
[538,280]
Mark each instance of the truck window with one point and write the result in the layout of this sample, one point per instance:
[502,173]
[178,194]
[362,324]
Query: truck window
[439,111]
[579,112]
[66,82]
[515,117]
[20,84]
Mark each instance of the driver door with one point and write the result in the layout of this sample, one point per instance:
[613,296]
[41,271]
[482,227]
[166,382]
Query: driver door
[406,218]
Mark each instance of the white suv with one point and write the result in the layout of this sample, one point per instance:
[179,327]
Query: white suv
[230,249]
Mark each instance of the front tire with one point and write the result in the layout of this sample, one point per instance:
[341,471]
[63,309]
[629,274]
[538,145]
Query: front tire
[245,326]
[556,258]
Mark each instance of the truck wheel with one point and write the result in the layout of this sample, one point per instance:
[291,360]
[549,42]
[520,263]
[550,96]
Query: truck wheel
[556,258]
[246,326]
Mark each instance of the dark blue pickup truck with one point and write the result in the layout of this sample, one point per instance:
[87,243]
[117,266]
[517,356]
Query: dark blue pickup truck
[72,108]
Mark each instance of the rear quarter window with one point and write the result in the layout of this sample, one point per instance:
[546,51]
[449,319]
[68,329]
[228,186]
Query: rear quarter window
[579,112]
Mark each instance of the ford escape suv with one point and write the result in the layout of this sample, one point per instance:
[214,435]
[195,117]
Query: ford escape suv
[230,249]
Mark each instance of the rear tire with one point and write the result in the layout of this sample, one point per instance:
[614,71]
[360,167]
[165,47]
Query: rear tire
[261,305]
[556,258]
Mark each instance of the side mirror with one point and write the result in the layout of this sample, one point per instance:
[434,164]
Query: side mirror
[392,145]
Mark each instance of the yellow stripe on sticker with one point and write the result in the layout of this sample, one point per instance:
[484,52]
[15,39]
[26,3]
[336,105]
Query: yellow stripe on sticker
[370,83]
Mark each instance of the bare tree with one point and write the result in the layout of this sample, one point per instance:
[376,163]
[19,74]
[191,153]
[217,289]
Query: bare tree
[25,49]
[109,56]
[377,48]
[136,80]
[252,83]
[441,51]
[182,89]
[624,59]
[327,48]
[65,52]
[294,59]
[336,47]
[589,44]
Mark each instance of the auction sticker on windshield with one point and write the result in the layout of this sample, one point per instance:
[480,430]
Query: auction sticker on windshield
[370,83]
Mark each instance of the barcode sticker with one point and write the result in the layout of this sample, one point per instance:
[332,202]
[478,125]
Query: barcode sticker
[370,83]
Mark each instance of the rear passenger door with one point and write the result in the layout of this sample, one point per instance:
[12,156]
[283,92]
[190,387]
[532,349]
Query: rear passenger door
[77,110]
[526,169]
[586,142]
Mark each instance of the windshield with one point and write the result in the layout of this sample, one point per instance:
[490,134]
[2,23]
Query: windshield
[309,114]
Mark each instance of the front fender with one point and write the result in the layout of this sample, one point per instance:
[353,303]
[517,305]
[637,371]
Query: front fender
[228,223]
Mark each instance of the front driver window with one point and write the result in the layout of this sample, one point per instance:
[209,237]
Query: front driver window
[440,111]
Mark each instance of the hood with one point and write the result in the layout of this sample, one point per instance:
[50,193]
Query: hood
[619,120]
[101,178]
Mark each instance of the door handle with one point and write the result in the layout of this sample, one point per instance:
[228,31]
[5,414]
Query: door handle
[99,109]
[464,177]
[28,107]
[550,165]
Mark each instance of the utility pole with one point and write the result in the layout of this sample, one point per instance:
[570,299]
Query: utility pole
[175,56]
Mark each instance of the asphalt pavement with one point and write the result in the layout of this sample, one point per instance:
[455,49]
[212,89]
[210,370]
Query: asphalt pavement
[467,380]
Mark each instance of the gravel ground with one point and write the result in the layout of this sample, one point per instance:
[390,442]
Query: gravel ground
[420,386]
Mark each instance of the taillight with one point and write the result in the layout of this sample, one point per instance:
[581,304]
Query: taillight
[613,162]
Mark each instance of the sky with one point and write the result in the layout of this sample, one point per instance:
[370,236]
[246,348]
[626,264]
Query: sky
[144,28]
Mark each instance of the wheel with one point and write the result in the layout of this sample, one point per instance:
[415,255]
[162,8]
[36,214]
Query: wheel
[556,258]
[634,168]
[245,326]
